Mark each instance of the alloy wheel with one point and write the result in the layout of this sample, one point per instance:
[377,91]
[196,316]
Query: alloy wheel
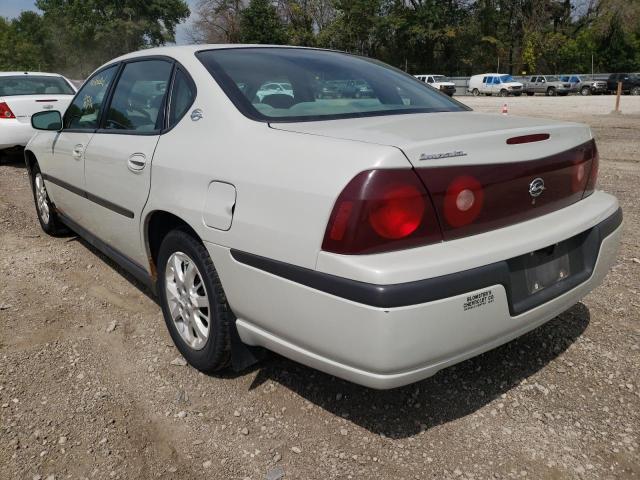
[42,202]
[188,300]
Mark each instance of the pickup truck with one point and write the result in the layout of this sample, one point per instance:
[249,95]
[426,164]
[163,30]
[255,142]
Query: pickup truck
[550,85]
[630,83]
[584,85]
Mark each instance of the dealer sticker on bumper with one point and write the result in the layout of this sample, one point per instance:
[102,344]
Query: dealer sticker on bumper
[478,300]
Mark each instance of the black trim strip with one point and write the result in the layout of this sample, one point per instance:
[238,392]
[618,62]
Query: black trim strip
[431,289]
[89,196]
[123,261]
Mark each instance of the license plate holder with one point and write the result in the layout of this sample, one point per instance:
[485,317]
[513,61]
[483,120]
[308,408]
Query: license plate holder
[546,267]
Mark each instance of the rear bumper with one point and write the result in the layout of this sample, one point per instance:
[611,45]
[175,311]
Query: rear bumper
[402,333]
[14,133]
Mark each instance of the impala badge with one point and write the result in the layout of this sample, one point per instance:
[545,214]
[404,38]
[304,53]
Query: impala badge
[437,156]
[536,187]
[197,115]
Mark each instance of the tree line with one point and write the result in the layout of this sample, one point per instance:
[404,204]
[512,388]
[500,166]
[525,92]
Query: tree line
[454,37]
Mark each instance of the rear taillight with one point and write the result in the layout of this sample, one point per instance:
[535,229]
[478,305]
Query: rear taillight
[5,111]
[463,201]
[593,171]
[379,211]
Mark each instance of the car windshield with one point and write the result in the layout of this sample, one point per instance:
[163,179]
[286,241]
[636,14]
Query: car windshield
[506,78]
[34,85]
[317,85]
[440,78]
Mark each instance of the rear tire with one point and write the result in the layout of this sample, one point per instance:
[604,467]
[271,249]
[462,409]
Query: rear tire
[551,92]
[194,305]
[504,93]
[530,94]
[635,91]
[46,210]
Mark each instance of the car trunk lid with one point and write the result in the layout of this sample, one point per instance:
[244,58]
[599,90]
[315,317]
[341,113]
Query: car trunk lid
[482,171]
[24,106]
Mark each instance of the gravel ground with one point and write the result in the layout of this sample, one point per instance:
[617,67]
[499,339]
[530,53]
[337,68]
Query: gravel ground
[92,387]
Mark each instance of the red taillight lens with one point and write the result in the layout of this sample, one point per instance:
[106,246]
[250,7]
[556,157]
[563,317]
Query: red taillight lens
[399,213]
[381,210]
[463,201]
[5,111]
[593,173]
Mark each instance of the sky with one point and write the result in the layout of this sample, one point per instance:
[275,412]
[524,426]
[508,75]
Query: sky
[12,8]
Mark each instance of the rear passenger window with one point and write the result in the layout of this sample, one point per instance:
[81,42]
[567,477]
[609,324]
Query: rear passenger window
[138,100]
[182,97]
[84,111]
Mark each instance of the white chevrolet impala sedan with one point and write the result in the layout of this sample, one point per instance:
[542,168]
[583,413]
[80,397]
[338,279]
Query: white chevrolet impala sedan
[379,238]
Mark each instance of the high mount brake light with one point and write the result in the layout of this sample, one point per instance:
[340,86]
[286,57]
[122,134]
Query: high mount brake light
[5,111]
[379,211]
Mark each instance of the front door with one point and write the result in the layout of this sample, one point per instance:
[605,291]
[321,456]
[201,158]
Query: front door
[118,157]
[65,170]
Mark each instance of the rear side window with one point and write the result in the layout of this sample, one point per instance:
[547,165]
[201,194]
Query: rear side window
[182,97]
[34,85]
[84,111]
[138,100]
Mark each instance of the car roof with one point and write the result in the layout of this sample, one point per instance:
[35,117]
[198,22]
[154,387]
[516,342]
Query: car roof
[39,74]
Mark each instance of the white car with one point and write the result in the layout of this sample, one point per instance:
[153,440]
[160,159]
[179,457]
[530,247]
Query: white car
[24,93]
[439,82]
[379,239]
[494,84]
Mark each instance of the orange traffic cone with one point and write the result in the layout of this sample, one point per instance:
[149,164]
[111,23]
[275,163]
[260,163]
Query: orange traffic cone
[505,109]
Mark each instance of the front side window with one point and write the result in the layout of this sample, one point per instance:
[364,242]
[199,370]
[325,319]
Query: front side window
[138,99]
[34,85]
[84,111]
[182,97]
[505,79]
[317,85]
[441,78]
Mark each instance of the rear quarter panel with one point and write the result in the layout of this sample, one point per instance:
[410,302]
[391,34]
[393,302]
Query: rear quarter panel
[286,182]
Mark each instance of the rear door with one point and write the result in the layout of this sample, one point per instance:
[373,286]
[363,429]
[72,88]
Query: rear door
[118,158]
[64,173]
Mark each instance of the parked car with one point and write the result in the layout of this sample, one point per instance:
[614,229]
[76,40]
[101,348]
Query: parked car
[439,82]
[272,88]
[630,83]
[583,85]
[345,89]
[550,85]
[24,93]
[494,84]
[378,239]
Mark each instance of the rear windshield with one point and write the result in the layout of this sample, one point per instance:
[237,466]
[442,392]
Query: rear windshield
[295,84]
[34,85]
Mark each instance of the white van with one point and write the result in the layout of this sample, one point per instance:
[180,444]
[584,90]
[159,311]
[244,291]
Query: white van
[439,82]
[494,84]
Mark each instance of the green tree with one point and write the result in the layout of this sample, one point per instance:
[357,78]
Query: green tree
[260,23]
[85,34]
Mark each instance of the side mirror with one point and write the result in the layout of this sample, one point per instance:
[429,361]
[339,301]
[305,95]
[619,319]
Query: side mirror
[51,120]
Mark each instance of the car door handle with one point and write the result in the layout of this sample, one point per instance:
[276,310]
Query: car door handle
[77,151]
[137,162]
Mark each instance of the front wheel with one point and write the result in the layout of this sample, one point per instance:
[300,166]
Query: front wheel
[551,92]
[47,215]
[635,91]
[475,92]
[530,94]
[193,302]
[504,93]
[585,91]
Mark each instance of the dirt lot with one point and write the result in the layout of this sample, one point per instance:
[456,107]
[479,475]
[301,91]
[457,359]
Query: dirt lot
[79,399]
